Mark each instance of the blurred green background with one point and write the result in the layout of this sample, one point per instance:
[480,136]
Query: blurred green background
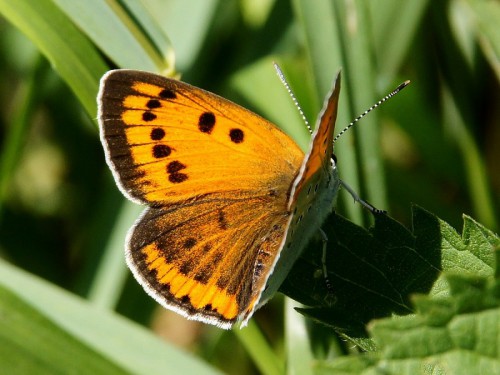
[436,144]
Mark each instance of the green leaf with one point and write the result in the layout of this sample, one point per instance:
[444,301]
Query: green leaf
[376,272]
[187,24]
[32,344]
[470,254]
[118,34]
[456,334]
[101,332]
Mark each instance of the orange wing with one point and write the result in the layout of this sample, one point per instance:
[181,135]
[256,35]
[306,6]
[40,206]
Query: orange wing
[208,260]
[217,179]
[167,142]
[321,149]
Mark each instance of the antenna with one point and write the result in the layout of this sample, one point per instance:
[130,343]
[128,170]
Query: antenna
[287,86]
[385,98]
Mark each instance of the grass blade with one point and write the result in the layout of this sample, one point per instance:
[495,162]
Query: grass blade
[113,337]
[68,50]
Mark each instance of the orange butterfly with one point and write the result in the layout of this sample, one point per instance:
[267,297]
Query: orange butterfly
[230,196]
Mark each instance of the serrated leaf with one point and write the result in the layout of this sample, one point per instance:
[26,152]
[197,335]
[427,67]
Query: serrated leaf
[375,273]
[470,254]
[457,334]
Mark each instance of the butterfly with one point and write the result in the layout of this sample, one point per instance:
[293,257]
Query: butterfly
[231,199]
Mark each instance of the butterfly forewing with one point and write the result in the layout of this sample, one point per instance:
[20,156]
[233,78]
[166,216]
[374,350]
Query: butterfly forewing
[321,149]
[168,141]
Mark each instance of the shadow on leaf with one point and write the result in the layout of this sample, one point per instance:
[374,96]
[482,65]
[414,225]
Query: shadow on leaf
[373,272]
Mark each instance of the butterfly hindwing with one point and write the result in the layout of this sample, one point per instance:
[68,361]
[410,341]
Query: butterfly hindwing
[204,274]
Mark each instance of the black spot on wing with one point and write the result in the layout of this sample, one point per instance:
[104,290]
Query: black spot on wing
[236,135]
[161,151]
[148,116]
[157,134]
[153,103]
[206,122]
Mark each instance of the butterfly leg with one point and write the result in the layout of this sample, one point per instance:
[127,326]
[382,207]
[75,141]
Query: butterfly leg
[323,260]
[358,199]
[330,298]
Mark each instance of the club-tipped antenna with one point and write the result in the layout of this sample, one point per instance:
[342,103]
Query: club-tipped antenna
[385,98]
[287,86]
